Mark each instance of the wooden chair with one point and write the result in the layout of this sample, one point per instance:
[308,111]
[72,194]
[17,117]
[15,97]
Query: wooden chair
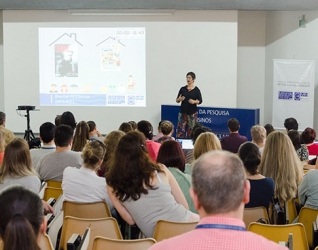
[106,227]
[166,229]
[279,233]
[86,210]
[106,243]
[54,227]
[46,243]
[307,216]
[55,184]
[291,212]
[42,190]
[51,192]
[254,214]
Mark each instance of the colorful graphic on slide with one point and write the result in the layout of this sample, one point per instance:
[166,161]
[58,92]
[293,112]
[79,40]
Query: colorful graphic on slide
[92,66]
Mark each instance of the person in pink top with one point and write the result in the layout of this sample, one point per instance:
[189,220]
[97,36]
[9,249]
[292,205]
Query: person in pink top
[219,192]
[146,128]
[309,136]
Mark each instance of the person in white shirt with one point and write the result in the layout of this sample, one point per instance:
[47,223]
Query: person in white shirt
[83,185]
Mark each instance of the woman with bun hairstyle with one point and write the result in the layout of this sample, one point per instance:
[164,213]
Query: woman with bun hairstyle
[262,188]
[83,185]
[81,136]
[22,223]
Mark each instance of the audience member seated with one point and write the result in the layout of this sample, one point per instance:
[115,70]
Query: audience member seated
[93,132]
[47,130]
[258,134]
[166,129]
[8,134]
[301,149]
[22,224]
[269,128]
[262,188]
[16,167]
[291,124]
[219,192]
[81,136]
[141,190]
[83,185]
[281,163]
[52,165]
[67,118]
[125,127]
[146,128]
[57,120]
[133,124]
[159,134]
[233,141]
[2,143]
[171,155]
[110,142]
[197,130]
[308,189]
[308,136]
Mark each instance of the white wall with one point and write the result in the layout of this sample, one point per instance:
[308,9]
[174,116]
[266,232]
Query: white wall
[285,40]
[251,61]
[201,41]
[1,66]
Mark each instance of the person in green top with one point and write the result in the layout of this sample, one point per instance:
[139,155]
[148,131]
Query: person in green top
[171,155]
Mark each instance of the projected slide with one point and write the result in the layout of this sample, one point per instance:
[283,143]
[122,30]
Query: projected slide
[92,66]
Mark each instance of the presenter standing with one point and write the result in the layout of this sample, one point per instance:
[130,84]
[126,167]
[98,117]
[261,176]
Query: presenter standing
[190,97]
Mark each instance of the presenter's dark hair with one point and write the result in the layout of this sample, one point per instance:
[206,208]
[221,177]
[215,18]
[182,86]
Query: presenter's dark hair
[47,131]
[20,218]
[68,118]
[291,124]
[191,74]
[233,124]
[146,128]
[63,135]
[250,156]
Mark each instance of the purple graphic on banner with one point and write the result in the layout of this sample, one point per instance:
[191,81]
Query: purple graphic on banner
[300,96]
[284,95]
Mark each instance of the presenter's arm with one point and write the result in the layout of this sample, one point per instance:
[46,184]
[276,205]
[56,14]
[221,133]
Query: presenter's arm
[120,207]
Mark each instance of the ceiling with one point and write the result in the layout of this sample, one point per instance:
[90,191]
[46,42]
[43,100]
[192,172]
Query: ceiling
[268,5]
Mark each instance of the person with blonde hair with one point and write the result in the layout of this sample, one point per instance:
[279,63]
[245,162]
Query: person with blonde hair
[281,163]
[81,136]
[258,134]
[206,142]
[166,128]
[16,167]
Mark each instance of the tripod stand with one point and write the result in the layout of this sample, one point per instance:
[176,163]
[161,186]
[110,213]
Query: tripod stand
[28,135]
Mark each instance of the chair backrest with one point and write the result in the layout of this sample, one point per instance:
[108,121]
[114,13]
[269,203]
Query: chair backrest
[42,190]
[279,233]
[291,212]
[106,227]
[166,229]
[106,243]
[86,210]
[54,227]
[51,192]
[55,184]
[255,214]
[307,216]
[46,243]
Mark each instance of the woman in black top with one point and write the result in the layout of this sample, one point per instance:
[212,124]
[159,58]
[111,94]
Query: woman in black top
[190,97]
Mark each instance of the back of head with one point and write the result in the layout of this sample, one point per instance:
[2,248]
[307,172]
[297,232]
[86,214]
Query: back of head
[295,138]
[125,127]
[2,117]
[233,124]
[197,130]
[269,128]
[166,127]
[16,160]
[57,120]
[133,124]
[206,142]
[249,154]
[91,125]
[81,136]
[67,118]
[47,131]
[171,155]
[291,124]
[308,135]
[146,128]
[20,218]
[63,135]
[280,162]
[93,152]
[258,134]
[218,179]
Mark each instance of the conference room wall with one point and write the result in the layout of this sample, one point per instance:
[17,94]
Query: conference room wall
[286,40]
[1,66]
[201,41]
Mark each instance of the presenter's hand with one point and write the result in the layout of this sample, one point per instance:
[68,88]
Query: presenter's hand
[180,98]
[191,101]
